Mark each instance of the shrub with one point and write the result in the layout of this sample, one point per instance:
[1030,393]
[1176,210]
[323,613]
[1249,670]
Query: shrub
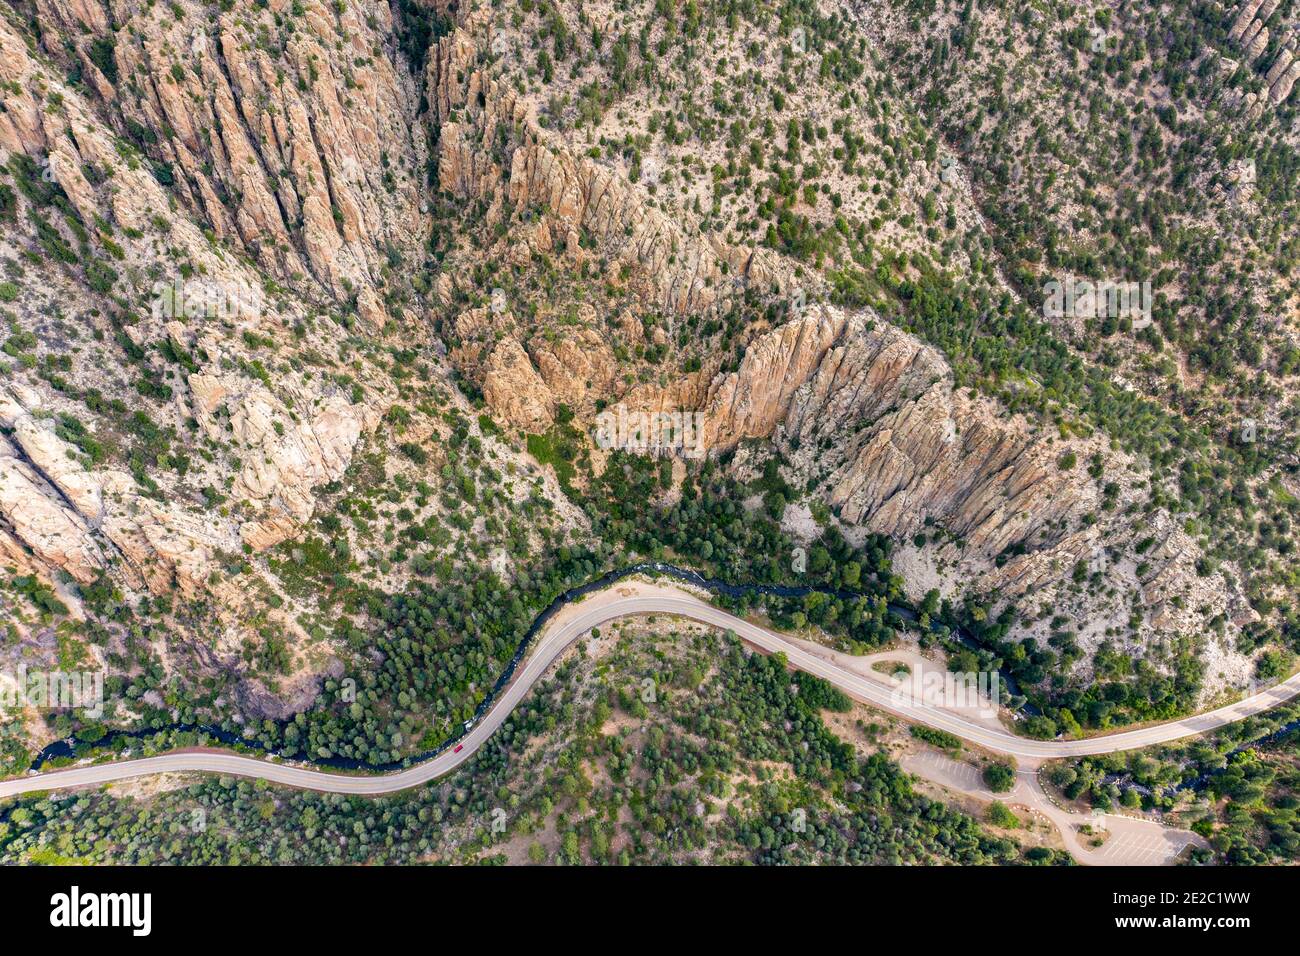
[999,777]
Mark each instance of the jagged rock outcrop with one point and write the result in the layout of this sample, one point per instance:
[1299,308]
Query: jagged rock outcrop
[1256,43]
[48,454]
[571,366]
[76,519]
[1244,19]
[865,413]
[868,414]
[279,162]
[491,146]
[36,518]
[1281,89]
[1281,64]
[284,455]
[575,366]
[750,402]
[1250,32]
[288,152]
[515,391]
[73,519]
[986,480]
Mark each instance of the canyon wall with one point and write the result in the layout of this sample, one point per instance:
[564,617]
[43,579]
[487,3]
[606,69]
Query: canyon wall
[864,412]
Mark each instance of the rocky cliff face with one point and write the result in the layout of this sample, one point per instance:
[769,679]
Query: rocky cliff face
[1251,35]
[866,414]
[492,148]
[283,152]
[297,150]
[281,464]
[165,444]
[252,176]
[39,515]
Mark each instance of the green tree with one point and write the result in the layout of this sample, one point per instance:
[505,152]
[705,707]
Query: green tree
[999,777]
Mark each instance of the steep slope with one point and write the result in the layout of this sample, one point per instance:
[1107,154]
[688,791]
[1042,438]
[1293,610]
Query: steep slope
[293,289]
[202,245]
[867,416]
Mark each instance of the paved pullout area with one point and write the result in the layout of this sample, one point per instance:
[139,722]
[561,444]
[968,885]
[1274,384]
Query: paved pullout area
[1125,840]
[639,598]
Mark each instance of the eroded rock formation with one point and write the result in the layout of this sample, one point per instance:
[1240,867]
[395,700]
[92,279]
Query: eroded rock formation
[1250,32]
[867,414]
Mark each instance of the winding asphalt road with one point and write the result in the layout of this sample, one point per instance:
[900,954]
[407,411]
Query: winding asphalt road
[630,599]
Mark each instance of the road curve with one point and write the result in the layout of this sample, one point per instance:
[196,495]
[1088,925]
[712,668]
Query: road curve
[638,599]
